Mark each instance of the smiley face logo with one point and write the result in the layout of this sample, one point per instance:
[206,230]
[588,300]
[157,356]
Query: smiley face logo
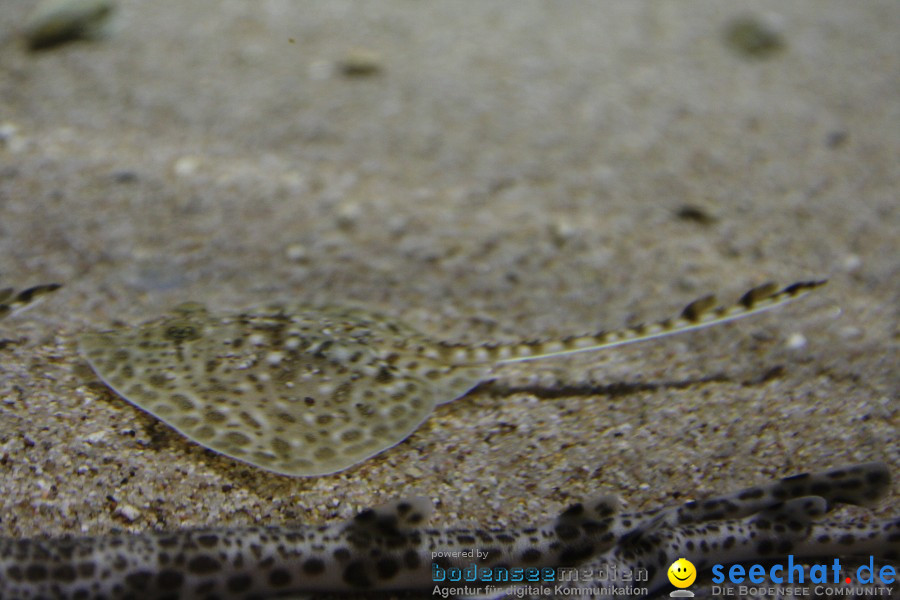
[682,573]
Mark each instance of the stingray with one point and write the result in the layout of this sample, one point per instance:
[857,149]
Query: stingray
[307,391]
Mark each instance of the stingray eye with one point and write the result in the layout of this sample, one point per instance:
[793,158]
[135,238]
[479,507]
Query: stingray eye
[182,332]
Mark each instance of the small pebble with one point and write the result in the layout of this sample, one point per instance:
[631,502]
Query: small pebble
[124,176]
[348,215]
[360,63]
[850,332]
[10,138]
[127,512]
[852,263]
[836,139]
[754,37]
[695,213]
[296,253]
[55,22]
[796,341]
[186,166]
[93,438]
[561,231]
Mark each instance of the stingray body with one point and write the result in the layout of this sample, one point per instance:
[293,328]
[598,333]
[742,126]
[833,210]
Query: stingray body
[391,549]
[309,391]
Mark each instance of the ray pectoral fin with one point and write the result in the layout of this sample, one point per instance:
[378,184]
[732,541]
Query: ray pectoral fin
[100,350]
[271,390]
[156,392]
[297,435]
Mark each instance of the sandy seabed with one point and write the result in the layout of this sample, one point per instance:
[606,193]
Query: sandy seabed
[508,171]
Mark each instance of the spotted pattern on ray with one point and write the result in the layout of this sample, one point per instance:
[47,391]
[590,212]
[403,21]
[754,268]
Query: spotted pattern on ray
[294,390]
[302,390]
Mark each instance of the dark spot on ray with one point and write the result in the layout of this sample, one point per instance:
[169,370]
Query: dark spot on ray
[182,333]
[342,554]
[355,575]
[411,559]
[208,540]
[169,579]
[64,573]
[575,554]
[203,564]
[279,577]
[139,579]
[313,566]
[752,493]
[531,555]
[566,532]
[239,583]
[386,568]
[35,572]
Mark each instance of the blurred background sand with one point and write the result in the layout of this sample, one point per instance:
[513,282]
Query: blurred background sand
[502,170]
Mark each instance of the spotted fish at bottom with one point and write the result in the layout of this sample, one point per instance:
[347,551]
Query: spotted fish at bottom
[390,548]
